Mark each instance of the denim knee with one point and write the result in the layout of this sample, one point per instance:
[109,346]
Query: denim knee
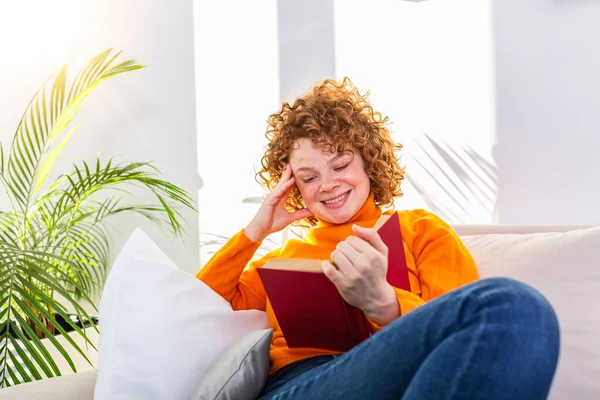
[511,291]
[517,301]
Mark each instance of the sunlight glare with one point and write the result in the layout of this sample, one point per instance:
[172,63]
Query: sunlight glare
[35,27]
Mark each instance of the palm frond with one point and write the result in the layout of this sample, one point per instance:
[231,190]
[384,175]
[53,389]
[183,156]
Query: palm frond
[44,121]
[86,245]
[9,225]
[54,241]
[1,159]
[23,273]
[85,181]
[79,234]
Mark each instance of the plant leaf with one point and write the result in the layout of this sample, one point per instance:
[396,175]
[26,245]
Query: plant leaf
[55,241]
[17,363]
[85,182]
[18,268]
[1,159]
[41,127]
[51,159]
[37,348]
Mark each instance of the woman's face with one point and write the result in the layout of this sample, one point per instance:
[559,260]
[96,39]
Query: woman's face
[334,186]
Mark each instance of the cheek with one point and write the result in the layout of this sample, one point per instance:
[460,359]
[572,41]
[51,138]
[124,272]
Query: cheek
[356,177]
[361,176]
[308,193]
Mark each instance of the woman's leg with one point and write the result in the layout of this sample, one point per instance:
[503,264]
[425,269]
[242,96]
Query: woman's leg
[492,339]
[290,372]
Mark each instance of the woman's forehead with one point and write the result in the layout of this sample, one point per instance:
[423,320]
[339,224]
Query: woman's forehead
[310,151]
[306,145]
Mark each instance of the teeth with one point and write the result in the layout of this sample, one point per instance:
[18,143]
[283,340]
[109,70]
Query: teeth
[336,199]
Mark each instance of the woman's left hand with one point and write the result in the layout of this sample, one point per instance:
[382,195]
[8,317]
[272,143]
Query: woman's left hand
[358,268]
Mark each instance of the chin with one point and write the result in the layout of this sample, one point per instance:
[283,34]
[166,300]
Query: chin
[340,217]
[334,220]
[342,214]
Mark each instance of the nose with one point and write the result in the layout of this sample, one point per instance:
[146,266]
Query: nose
[328,185]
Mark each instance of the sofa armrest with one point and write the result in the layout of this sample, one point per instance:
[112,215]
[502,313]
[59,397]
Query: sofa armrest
[79,386]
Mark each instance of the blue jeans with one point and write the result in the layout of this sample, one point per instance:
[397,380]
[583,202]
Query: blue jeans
[492,339]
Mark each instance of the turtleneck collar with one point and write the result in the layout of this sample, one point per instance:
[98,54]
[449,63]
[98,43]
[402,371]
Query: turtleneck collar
[367,212]
[325,236]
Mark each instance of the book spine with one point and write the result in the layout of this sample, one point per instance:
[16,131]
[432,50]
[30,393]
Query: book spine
[363,326]
[357,324]
[350,338]
[366,327]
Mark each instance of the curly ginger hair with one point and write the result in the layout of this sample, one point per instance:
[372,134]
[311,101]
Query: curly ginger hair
[338,117]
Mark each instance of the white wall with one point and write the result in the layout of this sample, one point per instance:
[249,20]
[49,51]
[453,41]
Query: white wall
[237,80]
[429,67]
[507,89]
[548,110]
[146,115]
[306,45]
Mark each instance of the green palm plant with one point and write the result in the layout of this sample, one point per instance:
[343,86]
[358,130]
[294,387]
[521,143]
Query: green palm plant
[54,240]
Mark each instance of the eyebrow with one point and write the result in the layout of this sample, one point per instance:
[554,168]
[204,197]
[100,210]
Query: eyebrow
[338,156]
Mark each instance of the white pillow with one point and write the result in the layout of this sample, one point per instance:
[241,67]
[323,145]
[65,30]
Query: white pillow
[161,329]
[565,267]
[241,372]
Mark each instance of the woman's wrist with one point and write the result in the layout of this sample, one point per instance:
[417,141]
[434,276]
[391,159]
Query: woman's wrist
[384,310]
[254,234]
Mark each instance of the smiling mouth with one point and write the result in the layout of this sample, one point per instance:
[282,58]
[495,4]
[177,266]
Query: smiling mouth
[337,199]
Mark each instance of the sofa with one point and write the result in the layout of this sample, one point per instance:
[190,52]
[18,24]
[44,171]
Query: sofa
[561,261]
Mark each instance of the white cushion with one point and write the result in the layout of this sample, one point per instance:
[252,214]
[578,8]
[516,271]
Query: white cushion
[161,329]
[565,267]
[79,386]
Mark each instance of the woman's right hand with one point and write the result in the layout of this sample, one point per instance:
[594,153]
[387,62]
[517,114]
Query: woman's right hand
[272,216]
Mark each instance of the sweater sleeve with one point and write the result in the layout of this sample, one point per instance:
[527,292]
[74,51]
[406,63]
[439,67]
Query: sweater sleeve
[442,261]
[231,274]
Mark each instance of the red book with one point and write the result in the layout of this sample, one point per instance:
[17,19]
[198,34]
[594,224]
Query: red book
[309,308]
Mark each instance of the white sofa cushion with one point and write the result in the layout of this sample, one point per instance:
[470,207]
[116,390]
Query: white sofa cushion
[565,267]
[161,329]
[79,386]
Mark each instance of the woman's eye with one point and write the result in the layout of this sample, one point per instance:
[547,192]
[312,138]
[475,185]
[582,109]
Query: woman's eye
[308,180]
[338,169]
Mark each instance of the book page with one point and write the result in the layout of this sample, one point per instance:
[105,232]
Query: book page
[295,264]
[381,221]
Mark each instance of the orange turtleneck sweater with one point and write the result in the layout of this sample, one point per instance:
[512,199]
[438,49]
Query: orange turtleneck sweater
[437,262]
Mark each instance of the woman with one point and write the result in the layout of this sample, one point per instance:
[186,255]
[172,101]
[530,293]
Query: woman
[331,165]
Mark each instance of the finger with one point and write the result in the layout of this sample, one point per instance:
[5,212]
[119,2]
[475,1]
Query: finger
[359,244]
[332,273]
[282,190]
[286,182]
[298,215]
[282,198]
[285,176]
[286,173]
[372,237]
[349,251]
[286,186]
[342,263]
